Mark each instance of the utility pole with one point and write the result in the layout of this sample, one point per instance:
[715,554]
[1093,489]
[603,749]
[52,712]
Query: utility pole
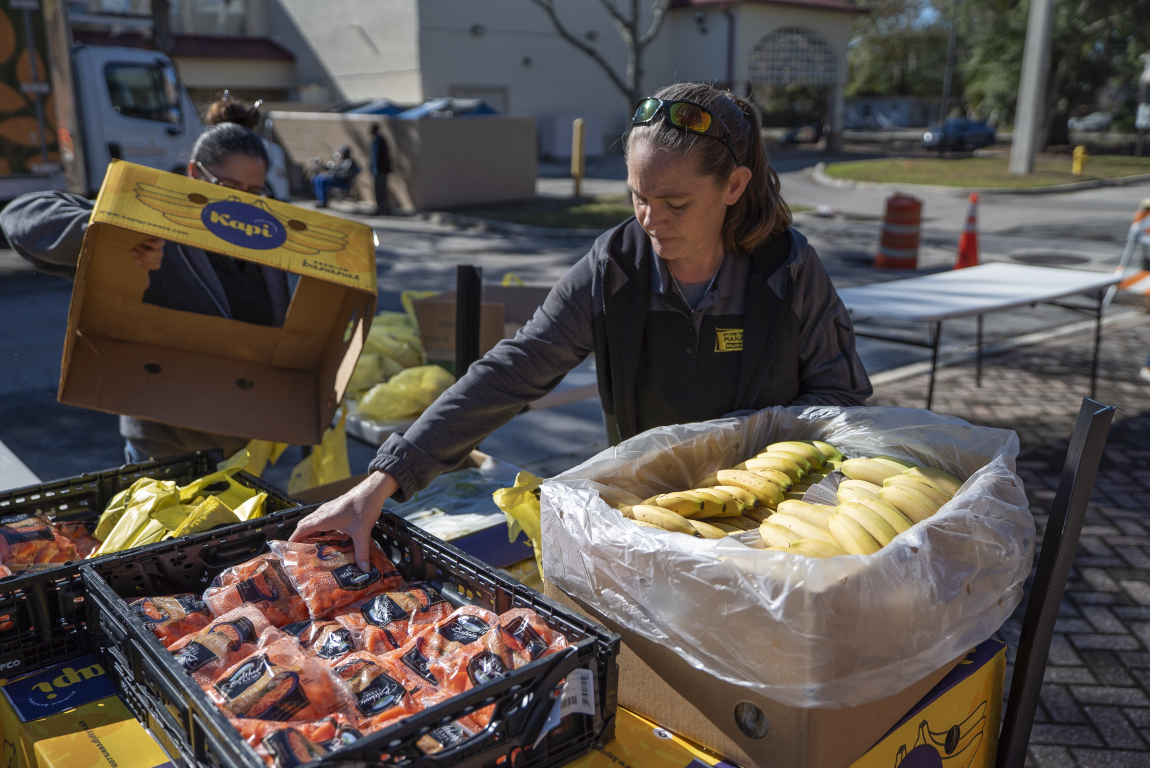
[1031,86]
[944,110]
[162,26]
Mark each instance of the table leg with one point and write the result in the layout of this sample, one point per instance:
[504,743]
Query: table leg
[936,338]
[1097,343]
[978,355]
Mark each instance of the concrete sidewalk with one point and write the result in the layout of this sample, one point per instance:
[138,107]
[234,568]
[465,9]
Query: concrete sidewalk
[1095,706]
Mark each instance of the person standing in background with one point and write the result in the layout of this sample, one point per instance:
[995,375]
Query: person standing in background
[380,167]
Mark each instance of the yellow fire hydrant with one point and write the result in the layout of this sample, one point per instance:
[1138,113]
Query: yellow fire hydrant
[1080,158]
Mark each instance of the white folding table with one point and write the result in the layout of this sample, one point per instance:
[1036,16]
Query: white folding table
[933,299]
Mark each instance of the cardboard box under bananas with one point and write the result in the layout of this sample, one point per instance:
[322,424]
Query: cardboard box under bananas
[881,498]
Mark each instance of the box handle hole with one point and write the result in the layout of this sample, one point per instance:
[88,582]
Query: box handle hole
[751,721]
[197,198]
[244,383]
[297,225]
[153,367]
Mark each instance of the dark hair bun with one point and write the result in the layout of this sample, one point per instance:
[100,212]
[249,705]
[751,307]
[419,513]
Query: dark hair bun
[231,110]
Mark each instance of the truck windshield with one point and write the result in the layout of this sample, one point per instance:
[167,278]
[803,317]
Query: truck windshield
[141,90]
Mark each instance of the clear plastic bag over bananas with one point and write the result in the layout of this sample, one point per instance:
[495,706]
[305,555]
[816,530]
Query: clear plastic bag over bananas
[817,625]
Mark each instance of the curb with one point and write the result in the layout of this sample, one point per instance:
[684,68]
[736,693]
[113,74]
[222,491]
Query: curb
[819,176]
[964,354]
[505,227]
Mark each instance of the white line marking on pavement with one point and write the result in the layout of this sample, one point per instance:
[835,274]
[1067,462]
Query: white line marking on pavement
[13,472]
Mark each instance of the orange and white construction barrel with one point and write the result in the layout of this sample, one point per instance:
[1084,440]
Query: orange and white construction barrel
[898,241]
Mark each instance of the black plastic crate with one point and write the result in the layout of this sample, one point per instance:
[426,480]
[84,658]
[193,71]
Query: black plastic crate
[161,693]
[43,620]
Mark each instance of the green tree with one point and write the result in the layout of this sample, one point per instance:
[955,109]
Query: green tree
[898,49]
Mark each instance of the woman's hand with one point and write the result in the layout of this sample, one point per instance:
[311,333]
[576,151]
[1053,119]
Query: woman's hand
[149,254]
[354,513]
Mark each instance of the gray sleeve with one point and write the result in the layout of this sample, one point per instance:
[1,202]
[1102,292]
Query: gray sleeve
[830,371]
[47,228]
[516,372]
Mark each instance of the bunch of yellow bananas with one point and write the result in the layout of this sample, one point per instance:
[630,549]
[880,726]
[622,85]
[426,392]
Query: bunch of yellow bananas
[739,499]
[881,498]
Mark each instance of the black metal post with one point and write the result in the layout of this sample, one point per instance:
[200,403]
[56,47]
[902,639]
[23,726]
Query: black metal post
[978,355]
[468,301]
[1058,544]
[936,339]
[1097,342]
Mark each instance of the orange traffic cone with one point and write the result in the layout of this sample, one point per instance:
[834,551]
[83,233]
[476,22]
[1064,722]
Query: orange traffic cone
[968,240]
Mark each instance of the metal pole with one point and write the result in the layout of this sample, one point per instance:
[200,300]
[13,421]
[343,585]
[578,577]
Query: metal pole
[1097,343]
[578,164]
[934,362]
[468,303]
[944,110]
[1032,86]
[978,356]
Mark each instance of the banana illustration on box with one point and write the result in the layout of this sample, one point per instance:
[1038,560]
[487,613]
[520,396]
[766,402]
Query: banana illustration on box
[251,225]
[955,747]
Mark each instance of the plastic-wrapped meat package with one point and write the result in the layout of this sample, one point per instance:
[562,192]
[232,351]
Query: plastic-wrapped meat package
[287,745]
[385,622]
[281,682]
[31,542]
[81,538]
[377,685]
[327,640]
[220,645]
[324,572]
[5,572]
[171,618]
[261,582]
[528,637]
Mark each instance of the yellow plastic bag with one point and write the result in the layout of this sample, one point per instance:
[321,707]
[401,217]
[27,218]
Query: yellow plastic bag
[401,345]
[252,508]
[146,497]
[406,395]
[520,504]
[116,508]
[372,368]
[328,461]
[510,278]
[408,299]
[255,457]
[220,484]
[210,513]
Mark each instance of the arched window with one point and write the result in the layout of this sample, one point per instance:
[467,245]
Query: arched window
[792,56]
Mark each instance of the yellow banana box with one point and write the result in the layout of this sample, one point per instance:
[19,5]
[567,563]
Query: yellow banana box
[641,743]
[87,743]
[128,352]
[956,724]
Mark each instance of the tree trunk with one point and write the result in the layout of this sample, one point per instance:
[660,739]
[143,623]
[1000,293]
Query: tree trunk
[162,26]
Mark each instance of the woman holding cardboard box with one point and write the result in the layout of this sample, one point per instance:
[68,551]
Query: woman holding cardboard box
[704,304]
[47,228]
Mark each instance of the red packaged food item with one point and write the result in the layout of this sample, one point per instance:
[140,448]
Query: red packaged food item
[219,646]
[465,668]
[324,572]
[280,682]
[27,541]
[327,640]
[170,618]
[377,685]
[80,537]
[445,737]
[4,572]
[413,660]
[261,582]
[286,750]
[385,622]
[528,637]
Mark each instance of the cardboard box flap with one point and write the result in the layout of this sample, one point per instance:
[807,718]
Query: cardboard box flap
[160,204]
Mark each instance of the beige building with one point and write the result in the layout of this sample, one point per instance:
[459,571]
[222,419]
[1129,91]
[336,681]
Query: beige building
[321,52]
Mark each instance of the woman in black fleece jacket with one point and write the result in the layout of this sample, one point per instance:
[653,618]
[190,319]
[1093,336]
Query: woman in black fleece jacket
[704,304]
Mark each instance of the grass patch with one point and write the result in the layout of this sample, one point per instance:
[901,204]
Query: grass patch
[986,172]
[590,213]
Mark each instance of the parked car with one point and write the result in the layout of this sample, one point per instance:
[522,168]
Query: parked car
[957,134]
[1095,122]
[807,133]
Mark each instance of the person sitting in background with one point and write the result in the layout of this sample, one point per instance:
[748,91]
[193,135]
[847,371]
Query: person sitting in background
[380,167]
[341,170]
[228,109]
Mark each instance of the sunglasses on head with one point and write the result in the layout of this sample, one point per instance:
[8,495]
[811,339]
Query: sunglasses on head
[686,116]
